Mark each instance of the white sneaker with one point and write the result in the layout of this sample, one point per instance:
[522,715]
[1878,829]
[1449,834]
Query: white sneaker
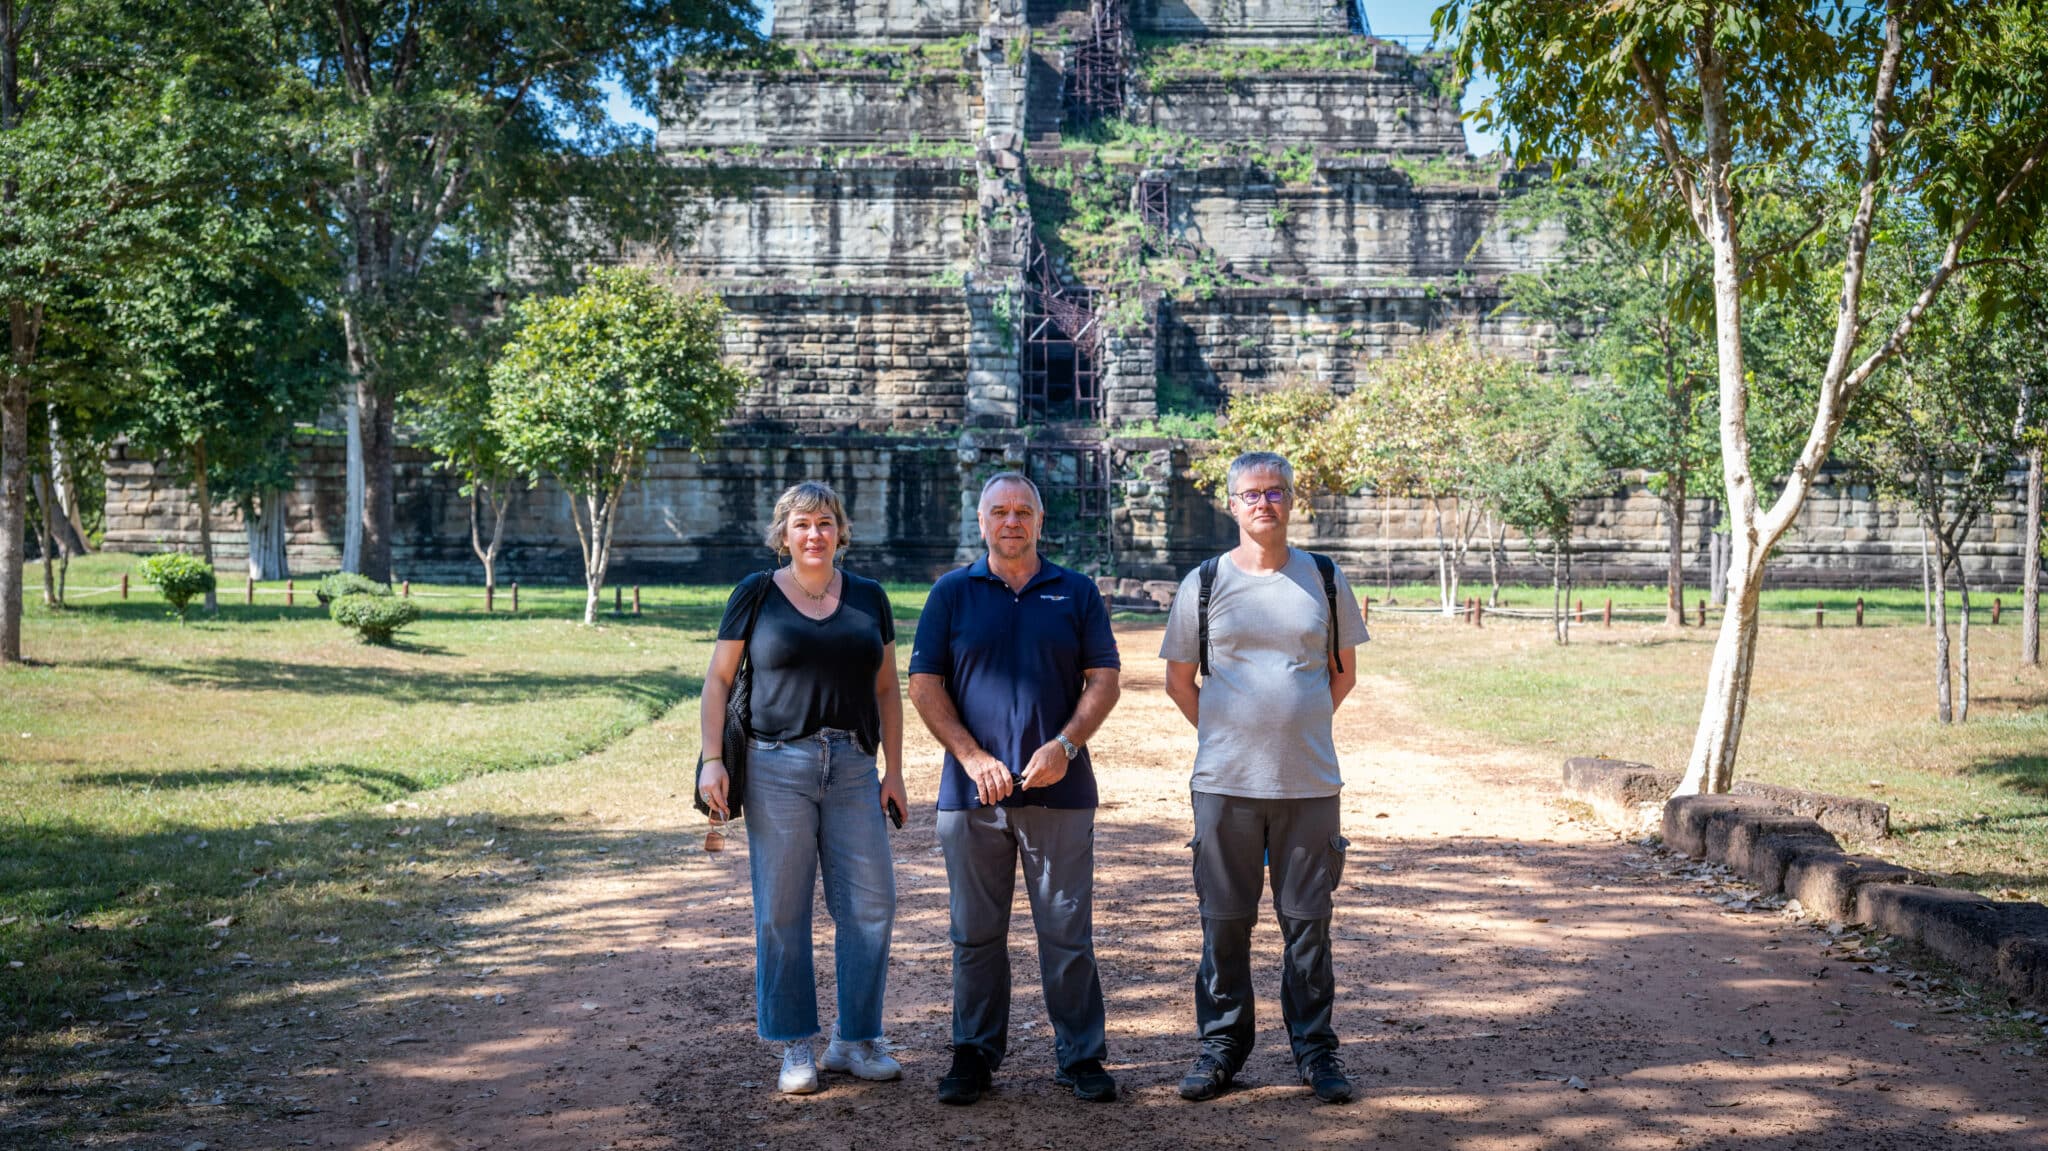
[866,1059]
[799,1069]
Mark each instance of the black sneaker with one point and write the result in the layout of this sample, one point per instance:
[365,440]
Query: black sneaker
[1207,1079]
[968,1080]
[1325,1074]
[1088,1080]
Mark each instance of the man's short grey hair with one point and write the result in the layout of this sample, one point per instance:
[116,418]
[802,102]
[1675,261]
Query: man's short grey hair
[1259,462]
[1018,478]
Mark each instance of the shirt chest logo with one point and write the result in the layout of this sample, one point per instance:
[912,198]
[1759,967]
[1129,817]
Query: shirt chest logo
[1052,598]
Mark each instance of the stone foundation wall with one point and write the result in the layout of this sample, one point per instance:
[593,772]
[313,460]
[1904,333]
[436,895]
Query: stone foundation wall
[1164,525]
[877,360]
[910,500]
[1341,111]
[805,110]
[693,519]
[857,219]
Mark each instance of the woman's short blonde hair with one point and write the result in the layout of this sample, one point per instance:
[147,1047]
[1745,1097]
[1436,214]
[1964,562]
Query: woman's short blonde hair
[808,496]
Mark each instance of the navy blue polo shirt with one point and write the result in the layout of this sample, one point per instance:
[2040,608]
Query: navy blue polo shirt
[1012,662]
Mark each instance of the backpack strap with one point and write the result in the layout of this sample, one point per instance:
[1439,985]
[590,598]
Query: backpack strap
[1202,609]
[1328,567]
[760,598]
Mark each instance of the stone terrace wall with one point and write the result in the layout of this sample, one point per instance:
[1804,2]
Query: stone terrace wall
[1844,537]
[1362,221]
[1255,338]
[859,219]
[695,519]
[831,360]
[876,21]
[809,109]
[1261,19]
[1347,111]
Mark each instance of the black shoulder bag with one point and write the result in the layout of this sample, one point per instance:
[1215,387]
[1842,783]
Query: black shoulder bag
[733,740]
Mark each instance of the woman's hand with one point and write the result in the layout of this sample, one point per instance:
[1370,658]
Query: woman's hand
[712,783]
[892,788]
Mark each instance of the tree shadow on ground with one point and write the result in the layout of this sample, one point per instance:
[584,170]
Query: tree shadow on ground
[655,689]
[2025,772]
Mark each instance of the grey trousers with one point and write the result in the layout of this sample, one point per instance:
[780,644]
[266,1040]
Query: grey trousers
[983,846]
[1237,840]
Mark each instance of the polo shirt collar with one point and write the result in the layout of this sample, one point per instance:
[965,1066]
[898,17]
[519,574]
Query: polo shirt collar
[1048,571]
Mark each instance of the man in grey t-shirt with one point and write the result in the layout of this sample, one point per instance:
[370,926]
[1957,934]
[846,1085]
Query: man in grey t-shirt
[1265,780]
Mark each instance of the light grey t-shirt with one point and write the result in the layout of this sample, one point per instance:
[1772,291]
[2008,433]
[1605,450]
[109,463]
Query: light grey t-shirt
[1265,711]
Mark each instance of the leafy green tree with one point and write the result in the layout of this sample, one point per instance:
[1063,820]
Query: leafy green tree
[591,382]
[1537,463]
[433,130]
[1938,429]
[120,121]
[452,417]
[1945,102]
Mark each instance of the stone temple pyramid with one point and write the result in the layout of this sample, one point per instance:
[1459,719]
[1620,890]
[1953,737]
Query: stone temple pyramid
[961,235]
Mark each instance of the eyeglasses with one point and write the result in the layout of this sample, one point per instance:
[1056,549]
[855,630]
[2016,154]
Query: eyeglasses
[1252,498]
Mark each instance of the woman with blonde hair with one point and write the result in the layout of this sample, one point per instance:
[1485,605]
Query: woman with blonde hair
[819,643]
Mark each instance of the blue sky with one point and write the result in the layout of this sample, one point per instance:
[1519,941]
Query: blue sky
[1403,20]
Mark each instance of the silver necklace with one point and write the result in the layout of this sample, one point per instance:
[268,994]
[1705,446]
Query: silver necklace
[815,597]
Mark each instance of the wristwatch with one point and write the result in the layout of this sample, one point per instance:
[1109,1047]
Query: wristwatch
[1073,749]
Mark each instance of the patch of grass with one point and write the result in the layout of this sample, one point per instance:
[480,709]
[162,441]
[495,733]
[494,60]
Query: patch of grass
[1837,709]
[1164,60]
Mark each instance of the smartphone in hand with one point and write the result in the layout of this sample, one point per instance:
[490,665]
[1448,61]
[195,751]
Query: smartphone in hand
[895,813]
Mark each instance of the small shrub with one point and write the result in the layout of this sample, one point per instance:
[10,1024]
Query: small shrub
[373,617]
[340,584]
[178,578]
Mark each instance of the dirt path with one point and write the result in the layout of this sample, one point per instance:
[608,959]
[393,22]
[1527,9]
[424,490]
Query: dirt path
[1507,978]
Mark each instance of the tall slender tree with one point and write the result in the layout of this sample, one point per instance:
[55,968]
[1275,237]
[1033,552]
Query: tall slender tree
[1734,96]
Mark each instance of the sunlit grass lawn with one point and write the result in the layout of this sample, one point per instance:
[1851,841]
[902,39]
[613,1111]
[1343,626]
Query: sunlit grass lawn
[1836,709]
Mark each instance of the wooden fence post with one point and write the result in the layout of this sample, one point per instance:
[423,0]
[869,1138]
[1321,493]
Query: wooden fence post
[1820,618]
[1364,607]
[289,586]
[405,590]
[1859,611]
[1997,606]
[1579,614]
[249,590]
[1607,613]
[124,585]
[618,600]
[636,599]
[515,597]
[1703,613]
[1478,612]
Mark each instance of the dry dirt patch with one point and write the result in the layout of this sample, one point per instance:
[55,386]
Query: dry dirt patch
[1508,978]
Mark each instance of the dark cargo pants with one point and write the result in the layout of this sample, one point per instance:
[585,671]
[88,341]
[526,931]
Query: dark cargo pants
[1236,841]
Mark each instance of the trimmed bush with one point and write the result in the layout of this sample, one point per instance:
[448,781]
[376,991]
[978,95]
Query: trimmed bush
[333,587]
[373,617]
[177,577]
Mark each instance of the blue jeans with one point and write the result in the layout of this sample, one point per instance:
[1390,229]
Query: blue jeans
[810,802]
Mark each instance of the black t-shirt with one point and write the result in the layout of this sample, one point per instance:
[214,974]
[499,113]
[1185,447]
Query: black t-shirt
[813,673]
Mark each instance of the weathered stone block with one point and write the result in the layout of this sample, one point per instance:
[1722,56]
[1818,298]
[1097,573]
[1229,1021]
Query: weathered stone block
[1628,796]
[2003,942]
[1826,882]
[1842,815]
[1687,818]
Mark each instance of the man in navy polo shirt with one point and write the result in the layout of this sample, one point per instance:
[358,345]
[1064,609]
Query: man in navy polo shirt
[1013,669]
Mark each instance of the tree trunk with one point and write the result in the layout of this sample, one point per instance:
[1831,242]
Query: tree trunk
[264,517]
[1944,695]
[1387,545]
[46,542]
[1963,664]
[1717,567]
[496,505]
[1496,542]
[13,486]
[65,524]
[352,509]
[204,498]
[1674,576]
[1557,616]
[1926,579]
[1446,570]
[2030,588]
[379,494]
